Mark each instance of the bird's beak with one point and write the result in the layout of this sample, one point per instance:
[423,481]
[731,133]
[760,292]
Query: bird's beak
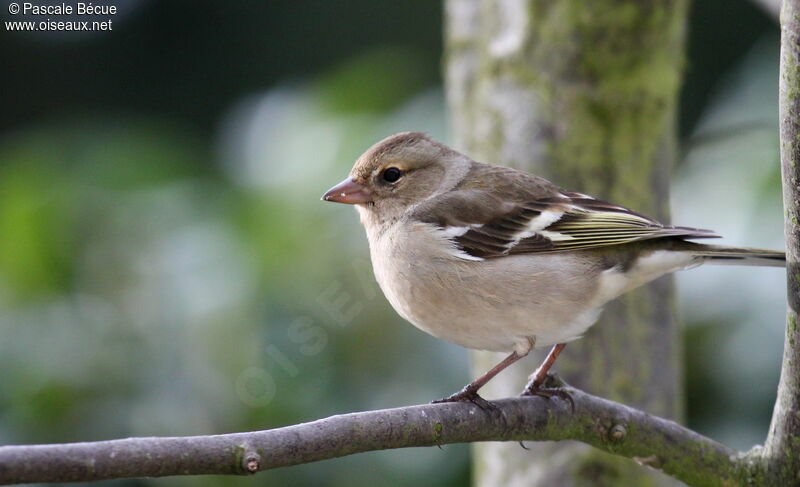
[348,192]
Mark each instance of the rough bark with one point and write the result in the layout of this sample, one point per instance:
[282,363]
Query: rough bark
[609,426]
[584,93]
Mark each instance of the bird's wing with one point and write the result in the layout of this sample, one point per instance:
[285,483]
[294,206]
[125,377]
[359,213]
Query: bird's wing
[566,221]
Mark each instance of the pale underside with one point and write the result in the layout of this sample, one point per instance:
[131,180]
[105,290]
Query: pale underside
[506,303]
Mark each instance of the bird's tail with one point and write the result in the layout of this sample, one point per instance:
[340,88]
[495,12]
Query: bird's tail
[719,254]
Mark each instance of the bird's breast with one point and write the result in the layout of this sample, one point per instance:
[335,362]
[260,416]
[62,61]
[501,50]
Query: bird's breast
[493,304]
[407,261]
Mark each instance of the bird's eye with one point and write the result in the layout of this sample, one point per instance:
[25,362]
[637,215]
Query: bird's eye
[392,174]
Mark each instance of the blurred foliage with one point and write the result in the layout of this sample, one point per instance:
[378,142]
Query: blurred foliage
[166,267]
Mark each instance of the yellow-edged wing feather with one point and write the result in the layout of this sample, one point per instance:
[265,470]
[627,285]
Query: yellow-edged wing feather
[569,223]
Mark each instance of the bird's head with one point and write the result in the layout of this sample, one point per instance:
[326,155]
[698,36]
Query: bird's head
[398,172]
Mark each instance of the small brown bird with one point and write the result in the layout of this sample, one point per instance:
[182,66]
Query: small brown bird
[492,258]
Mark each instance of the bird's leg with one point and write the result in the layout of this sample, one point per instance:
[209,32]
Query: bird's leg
[470,392]
[537,379]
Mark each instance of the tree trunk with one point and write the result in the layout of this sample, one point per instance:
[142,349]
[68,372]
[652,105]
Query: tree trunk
[585,94]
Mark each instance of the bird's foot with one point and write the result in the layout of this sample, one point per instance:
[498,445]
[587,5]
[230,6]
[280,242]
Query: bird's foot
[548,393]
[468,394]
[552,387]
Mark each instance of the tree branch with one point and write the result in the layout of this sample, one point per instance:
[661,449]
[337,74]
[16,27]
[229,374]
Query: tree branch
[607,425]
[782,448]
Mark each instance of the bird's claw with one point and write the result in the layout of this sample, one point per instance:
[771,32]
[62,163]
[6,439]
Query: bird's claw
[554,390]
[548,393]
[468,395]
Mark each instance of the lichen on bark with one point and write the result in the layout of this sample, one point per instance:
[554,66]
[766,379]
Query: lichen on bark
[584,93]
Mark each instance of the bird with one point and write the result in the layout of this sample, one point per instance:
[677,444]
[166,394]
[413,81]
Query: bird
[493,258]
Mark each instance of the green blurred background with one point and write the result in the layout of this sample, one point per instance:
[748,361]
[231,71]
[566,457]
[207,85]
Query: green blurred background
[167,268]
